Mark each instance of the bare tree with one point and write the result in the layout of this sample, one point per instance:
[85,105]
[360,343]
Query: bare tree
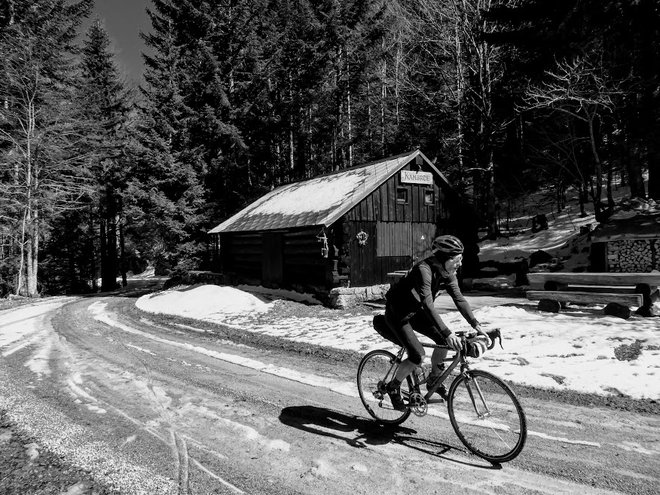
[579,90]
[453,51]
[39,172]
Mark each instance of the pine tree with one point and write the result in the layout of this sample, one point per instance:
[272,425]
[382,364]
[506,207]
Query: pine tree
[164,194]
[106,104]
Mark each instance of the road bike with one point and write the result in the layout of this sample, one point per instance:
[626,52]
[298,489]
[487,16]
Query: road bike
[484,411]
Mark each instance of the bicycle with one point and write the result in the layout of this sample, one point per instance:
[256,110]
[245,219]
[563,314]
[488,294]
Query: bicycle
[484,411]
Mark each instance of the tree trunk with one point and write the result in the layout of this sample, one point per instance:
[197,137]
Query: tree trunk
[460,94]
[633,167]
[33,257]
[109,241]
[21,262]
[122,256]
[383,97]
[93,274]
[598,170]
[583,197]
[610,197]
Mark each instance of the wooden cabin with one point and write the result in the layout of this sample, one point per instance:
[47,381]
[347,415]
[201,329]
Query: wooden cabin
[348,228]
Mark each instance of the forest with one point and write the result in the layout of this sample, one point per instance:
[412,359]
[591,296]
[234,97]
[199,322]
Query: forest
[99,177]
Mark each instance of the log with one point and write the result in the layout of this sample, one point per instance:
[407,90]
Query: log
[587,297]
[593,278]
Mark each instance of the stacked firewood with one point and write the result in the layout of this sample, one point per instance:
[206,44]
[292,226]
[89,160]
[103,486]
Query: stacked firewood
[633,256]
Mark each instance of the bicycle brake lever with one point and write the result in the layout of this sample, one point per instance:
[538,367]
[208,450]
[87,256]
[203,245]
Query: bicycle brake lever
[492,335]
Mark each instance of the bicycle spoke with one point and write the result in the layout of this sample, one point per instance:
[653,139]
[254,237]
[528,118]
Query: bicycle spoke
[487,416]
[373,374]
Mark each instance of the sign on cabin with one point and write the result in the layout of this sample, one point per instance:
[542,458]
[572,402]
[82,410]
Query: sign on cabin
[411,177]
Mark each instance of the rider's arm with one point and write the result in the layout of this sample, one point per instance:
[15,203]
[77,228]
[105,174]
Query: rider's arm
[426,296]
[461,303]
[463,306]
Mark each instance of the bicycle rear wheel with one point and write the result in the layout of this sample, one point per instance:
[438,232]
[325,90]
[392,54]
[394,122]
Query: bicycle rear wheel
[372,376]
[487,416]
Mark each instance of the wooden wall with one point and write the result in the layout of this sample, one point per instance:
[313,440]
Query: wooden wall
[241,254]
[382,206]
[398,234]
[303,262]
[275,259]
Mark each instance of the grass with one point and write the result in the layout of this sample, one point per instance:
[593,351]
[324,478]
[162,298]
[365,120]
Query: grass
[628,352]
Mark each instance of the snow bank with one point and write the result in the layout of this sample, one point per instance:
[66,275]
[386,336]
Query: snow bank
[202,302]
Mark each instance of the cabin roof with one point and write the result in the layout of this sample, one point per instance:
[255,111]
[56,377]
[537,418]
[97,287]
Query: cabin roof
[319,201]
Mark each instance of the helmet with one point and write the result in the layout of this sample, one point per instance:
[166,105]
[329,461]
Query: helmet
[447,244]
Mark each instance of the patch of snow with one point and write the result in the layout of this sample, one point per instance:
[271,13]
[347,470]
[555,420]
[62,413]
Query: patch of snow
[204,301]
[572,350]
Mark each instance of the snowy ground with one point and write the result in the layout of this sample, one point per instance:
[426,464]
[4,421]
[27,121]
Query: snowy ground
[578,349]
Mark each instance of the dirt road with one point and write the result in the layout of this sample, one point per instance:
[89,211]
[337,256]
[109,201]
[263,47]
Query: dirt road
[166,406]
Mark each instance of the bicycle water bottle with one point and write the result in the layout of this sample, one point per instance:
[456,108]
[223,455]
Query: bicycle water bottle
[421,374]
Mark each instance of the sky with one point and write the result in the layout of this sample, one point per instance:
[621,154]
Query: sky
[124,20]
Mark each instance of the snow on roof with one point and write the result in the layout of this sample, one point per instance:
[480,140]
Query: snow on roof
[630,227]
[318,201]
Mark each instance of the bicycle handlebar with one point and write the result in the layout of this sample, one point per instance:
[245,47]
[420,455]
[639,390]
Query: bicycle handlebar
[492,335]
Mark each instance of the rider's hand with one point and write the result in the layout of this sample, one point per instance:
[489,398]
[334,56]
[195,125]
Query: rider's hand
[478,329]
[453,342]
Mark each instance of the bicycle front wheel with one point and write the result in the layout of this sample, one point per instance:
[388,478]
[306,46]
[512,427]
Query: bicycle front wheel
[487,416]
[374,372]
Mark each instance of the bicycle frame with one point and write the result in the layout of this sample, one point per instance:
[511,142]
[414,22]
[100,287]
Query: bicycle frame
[459,358]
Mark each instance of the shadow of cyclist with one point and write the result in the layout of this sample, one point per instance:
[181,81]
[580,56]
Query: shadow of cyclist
[361,432]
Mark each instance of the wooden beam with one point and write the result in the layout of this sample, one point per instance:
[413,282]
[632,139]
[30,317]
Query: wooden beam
[397,273]
[586,297]
[593,278]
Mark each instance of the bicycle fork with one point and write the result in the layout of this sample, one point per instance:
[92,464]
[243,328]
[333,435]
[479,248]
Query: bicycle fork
[479,403]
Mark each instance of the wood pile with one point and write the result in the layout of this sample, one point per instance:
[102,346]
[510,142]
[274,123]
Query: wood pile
[639,255]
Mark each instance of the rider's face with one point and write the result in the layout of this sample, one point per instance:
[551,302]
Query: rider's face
[453,264]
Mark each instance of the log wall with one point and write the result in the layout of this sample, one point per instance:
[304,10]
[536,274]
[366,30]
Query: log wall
[635,255]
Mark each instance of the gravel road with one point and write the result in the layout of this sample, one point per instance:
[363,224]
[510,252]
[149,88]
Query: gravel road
[127,388]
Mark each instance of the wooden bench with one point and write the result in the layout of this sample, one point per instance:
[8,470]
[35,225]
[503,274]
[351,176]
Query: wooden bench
[396,275]
[625,289]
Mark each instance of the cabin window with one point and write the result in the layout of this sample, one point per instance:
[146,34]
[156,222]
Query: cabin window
[402,195]
[429,197]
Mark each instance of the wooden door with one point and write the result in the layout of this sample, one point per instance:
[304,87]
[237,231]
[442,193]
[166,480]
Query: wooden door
[272,260]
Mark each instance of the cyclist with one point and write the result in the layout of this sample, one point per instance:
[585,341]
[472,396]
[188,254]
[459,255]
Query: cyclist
[409,308]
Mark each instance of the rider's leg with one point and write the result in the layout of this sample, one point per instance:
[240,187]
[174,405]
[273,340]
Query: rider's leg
[428,329]
[405,368]
[437,360]
[415,351]
[406,335]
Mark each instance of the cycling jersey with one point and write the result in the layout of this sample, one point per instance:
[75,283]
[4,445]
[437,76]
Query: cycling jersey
[416,291]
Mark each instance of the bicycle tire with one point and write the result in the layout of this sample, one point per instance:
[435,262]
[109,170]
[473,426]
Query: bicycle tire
[371,376]
[500,434]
